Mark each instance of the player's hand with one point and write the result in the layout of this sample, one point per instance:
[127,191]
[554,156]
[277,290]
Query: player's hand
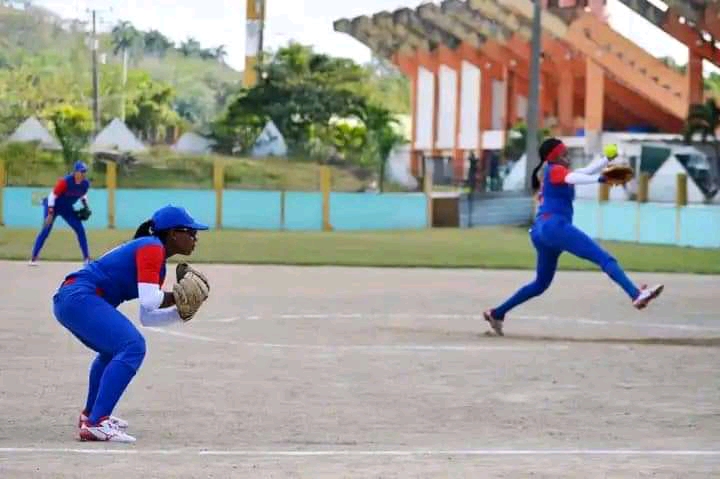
[49,219]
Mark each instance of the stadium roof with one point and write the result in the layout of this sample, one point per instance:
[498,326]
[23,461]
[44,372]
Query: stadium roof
[479,22]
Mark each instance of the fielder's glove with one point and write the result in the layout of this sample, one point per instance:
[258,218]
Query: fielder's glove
[615,175]
[83,213]
[190,291]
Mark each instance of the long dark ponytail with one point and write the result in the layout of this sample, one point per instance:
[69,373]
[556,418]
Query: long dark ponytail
[545,148]
[145,229]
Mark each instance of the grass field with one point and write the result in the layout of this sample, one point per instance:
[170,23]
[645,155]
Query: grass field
[167,170]
[478,248]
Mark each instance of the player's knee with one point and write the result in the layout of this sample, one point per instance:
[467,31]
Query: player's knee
[133,352]
[538,287]
[607,261]
[541,284]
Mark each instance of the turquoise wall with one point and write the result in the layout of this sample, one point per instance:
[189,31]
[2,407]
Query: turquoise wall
[257,210]
[652,223]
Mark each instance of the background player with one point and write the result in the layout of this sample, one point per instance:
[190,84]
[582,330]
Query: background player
[86,304]
[553,231]
[60,202]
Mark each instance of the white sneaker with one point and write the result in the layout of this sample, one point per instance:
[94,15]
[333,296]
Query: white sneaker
[115,421]
[32,263]
[104,431]
[647,294]
[496,324]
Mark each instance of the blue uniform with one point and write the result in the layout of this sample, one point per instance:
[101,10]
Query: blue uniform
[86,305]
[552,233]
[65,194]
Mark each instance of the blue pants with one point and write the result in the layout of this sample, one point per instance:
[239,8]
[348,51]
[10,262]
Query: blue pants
[551,237]
[102,328]
[72,220]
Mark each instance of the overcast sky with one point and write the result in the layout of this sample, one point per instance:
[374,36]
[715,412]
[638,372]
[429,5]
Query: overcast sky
[222,22]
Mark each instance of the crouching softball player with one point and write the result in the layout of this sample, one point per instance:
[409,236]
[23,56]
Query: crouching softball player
[86,305]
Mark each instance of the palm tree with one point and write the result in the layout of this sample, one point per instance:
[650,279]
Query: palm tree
[221,53]
[124,38]
[156,43]
[190,47]
[704,119]
[382,135]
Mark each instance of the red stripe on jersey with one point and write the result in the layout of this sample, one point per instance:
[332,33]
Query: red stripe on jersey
[149,260]
[558,174]
[60,187]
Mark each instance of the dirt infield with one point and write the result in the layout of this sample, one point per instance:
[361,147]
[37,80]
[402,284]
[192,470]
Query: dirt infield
[368,373]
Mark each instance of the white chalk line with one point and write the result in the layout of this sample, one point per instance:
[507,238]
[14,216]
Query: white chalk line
[350,452]
[360,347]
[580,320]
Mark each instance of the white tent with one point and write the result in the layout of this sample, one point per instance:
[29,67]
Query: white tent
[32,130]
[191,142]
[398,167]
[270,142]
[663,184]
[118,138]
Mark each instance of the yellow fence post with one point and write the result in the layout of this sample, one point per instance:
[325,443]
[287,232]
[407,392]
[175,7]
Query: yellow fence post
[282,209]
[680,201]
[2,191]
[604,192]
[325,188]
[219,185]
[681,190]
[427,189]
[643,188]
[642,197]
[111,184]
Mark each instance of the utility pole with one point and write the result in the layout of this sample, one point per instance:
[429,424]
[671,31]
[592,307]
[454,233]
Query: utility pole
[254,27]
[95,77]
[531,149]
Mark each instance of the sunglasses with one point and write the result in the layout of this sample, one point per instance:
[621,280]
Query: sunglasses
[190,231]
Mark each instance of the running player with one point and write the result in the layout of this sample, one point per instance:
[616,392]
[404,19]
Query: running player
[552,233]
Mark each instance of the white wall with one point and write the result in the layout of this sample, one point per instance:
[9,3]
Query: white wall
[424,107]
[498,104]
[447,106]
[470,106]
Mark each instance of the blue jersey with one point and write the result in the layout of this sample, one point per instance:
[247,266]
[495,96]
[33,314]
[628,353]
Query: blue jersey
[116,274]
[67,192]
[556,197]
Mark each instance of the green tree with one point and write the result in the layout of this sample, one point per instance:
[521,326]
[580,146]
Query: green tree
[383,135]
[516,143]
[150,110]
[72,128]
[156,43]
[190,48]
[301,91]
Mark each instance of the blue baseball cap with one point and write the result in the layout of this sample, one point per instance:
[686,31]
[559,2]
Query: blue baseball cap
[170,217]
[80,166]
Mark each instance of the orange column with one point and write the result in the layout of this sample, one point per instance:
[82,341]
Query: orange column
[510,95]
[594,97]
[695,77]
[486,99]
[414,154]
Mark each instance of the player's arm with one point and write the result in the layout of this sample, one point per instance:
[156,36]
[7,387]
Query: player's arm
[157,307]
[561,175]
[58,191]
[595,166]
